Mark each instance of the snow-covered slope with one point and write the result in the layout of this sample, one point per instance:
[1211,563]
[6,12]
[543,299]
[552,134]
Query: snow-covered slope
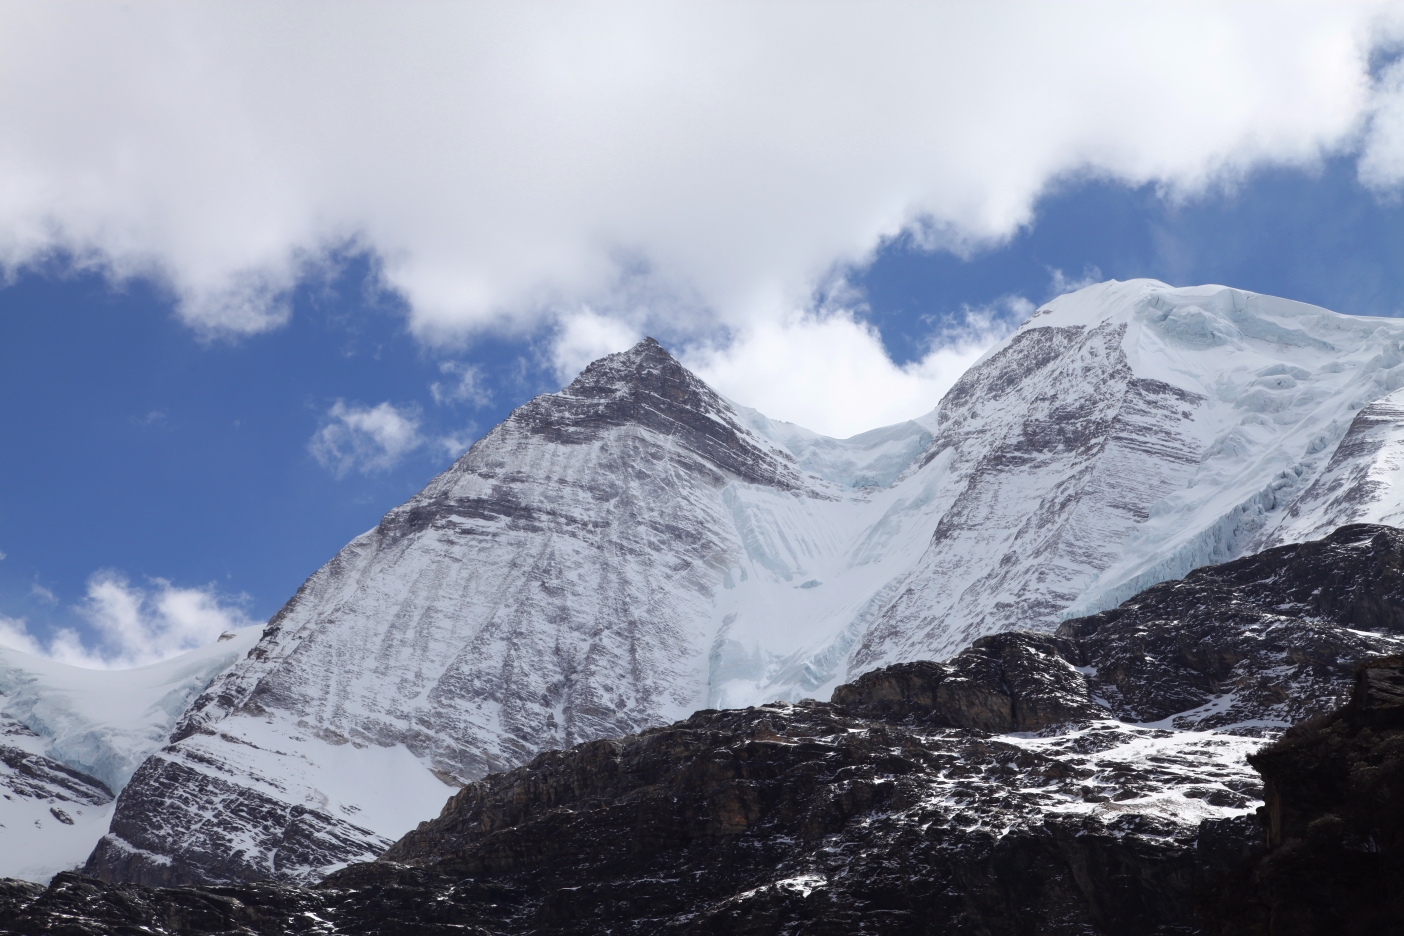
[871,459]
[71,737]
[558,583]
[1126,434]
[635,547]
[1363,483]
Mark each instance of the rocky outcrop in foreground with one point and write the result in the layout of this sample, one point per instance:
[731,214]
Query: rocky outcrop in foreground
[1333,823]
[1088,781]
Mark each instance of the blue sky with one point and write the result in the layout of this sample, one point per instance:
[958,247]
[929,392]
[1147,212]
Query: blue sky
[256,296]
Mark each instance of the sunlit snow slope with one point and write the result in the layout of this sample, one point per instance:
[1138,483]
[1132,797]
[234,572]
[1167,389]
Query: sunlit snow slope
[71,737]
[1126,434]
[635,547]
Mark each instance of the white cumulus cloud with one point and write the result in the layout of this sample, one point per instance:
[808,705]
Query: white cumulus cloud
[133,625]
[1382,162]
[509,164]
[830,372]
[365,438]
[585,336]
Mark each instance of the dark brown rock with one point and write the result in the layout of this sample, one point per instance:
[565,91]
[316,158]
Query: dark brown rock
[1005,682]
[1332,824]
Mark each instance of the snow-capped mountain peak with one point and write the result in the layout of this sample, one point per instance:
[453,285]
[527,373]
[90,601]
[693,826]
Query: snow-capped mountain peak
[1123,435]
[635,547]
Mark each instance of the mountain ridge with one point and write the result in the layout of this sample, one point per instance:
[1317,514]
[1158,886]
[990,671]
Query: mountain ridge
[635,547]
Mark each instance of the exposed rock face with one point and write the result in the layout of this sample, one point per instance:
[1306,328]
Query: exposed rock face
[635,547]
[1007,682]
[555,585]
[789,818]
[46,808]
[1088,781]
[293,838]
[1267,639]
[1333,823]
[37,777]
[1221,642]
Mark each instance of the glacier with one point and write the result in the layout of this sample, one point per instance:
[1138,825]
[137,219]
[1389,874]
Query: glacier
[71,737]
[635,547]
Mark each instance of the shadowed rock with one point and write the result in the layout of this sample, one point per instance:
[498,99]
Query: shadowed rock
[1333,823]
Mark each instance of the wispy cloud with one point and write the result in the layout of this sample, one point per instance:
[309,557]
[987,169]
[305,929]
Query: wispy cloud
[133,625]
[456,443]
[465,384]
[14,633]
[1059,283]
[151,418]
[366,438]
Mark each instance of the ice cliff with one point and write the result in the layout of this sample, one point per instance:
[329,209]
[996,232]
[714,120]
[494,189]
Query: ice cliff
[71,738]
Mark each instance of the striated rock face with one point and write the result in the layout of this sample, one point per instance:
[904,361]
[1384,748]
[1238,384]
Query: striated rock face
[290,838]
[37,777]
[1004,555]
[555,585]
[619,554]
[1088,781]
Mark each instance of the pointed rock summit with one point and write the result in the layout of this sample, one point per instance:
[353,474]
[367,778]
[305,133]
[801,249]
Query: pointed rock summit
[647,365]
[646,388]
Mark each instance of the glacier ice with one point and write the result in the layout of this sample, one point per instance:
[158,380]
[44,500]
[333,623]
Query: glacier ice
[99,723]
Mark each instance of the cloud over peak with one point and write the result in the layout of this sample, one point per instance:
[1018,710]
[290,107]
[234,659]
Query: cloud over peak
[500,159]
[133,625]
[509,165]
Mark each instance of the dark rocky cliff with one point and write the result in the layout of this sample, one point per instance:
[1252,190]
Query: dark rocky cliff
[1333,823]
[1089,781]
